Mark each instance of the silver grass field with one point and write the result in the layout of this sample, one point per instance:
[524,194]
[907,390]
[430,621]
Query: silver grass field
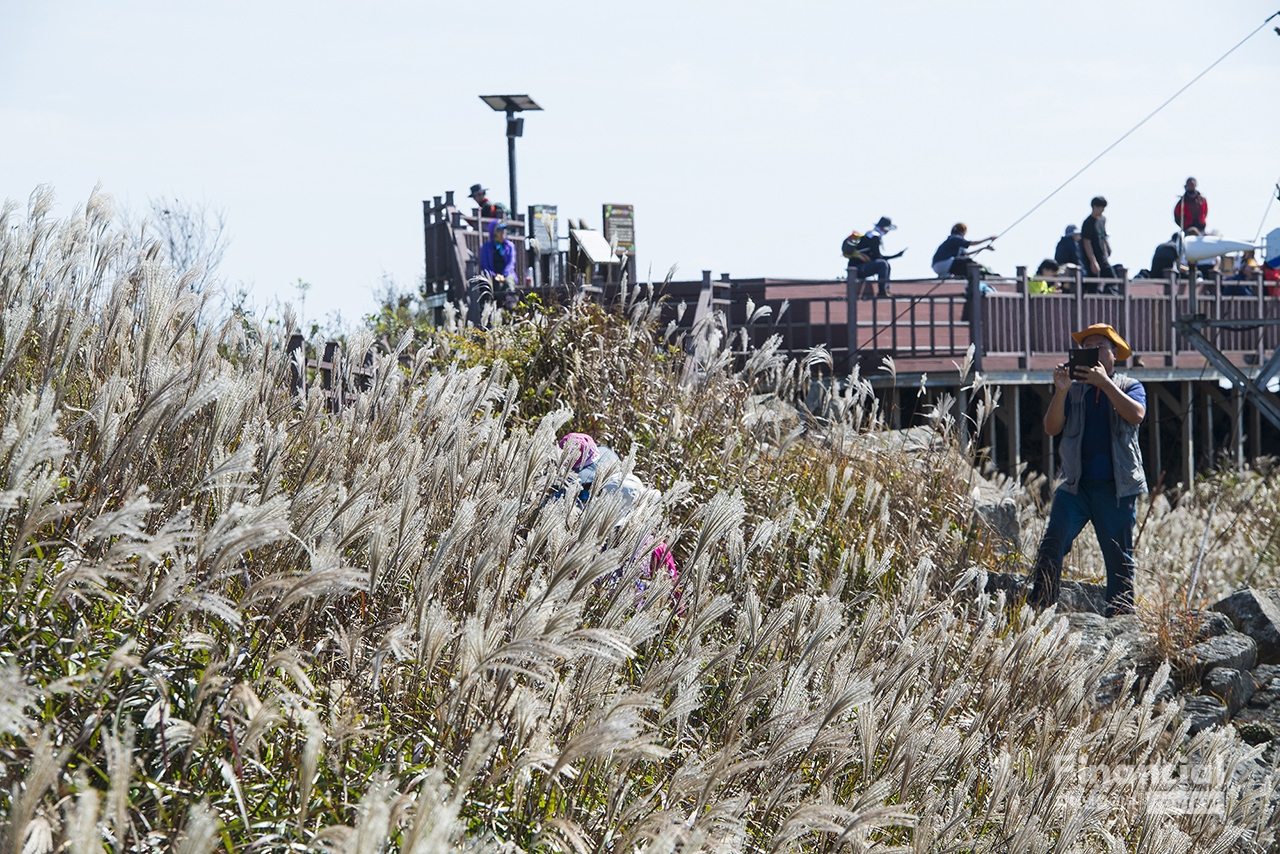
[234,620]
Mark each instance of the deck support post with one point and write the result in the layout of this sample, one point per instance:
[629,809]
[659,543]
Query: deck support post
[1014,422]
[1187,453]
[1255,432]
[992,455]
[975,314]
[1237,413]
[1209,443]
[1153,435]
[851,308]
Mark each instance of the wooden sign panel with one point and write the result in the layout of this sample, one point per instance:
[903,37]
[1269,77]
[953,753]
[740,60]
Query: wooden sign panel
[619,221]
[543,227]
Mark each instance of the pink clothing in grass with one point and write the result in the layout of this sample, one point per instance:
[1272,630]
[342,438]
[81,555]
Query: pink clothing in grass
[588,453]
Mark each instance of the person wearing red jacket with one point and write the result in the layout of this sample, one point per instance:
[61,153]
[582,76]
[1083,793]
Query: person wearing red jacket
[1191,210]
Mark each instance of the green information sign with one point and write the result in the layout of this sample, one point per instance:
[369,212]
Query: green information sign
[619,222]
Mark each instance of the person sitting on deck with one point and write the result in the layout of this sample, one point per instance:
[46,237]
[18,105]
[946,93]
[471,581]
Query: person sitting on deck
[488,210]
[954,256]
[866,254]
[498,261]
[1166,257]
[1098,413]
[1246,271]
[1068,249]
[1249,268]
[1038,283]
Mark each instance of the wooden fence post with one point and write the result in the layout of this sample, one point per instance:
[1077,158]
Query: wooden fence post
[1079,301]
[297,364]
[1026,317]
[975,314]
[851,318]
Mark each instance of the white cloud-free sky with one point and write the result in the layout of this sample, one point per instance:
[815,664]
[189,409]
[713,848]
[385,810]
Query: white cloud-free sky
[751,137]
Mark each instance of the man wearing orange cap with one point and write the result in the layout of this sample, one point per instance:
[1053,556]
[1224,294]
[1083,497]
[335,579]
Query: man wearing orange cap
[1098,413]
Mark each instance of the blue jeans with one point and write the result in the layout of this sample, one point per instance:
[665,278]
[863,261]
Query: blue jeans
[1113,520]
[878,268]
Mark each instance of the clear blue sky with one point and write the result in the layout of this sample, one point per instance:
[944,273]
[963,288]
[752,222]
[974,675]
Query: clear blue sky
[751,137]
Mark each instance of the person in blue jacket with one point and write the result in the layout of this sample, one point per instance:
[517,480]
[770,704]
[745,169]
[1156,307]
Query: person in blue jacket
[498,255]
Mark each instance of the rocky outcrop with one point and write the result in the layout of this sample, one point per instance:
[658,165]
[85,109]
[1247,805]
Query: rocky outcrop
[1100,634]
[1231,673]
[1266,684]
[1073,596]
[995,500]
[1233,650]
[1257,614]
[1203,712]
[1233,687]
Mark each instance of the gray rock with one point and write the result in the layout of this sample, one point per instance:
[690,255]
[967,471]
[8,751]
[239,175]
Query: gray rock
[1233,687]
[1212,624]
[1258,725]
[1234,650]
[1257,614]
[1266,683]
[1000,517]
[1167,691]
[1204,712]
[1073,596]
[1263,674]
[1014,584]
[1082,596]
[1099,634]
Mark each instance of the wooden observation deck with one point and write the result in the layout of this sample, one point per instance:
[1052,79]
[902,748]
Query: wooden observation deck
[1206,351]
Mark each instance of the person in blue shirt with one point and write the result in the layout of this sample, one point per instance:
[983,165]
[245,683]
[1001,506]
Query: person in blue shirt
[953,255]
[498,255]
[1098,413]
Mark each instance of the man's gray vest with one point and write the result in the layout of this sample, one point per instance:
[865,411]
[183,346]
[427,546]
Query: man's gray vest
[1126,456]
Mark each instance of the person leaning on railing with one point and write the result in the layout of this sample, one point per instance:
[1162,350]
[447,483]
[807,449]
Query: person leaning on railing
[1098,413]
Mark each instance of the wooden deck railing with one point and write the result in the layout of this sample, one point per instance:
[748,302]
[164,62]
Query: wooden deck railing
[452,245]
[926,322]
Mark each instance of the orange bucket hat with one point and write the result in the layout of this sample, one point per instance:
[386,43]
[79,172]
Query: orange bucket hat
[1104,329]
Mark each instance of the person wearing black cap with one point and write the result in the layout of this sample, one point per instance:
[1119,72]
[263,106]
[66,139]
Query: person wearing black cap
[1094,243]
[870,248]
[488,210]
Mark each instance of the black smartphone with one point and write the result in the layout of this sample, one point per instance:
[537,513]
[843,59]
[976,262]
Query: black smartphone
[1085,357]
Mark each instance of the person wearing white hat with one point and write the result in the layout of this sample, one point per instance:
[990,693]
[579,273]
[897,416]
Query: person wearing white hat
[873,261]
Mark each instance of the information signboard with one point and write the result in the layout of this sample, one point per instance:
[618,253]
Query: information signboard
[619,222]
[543,227]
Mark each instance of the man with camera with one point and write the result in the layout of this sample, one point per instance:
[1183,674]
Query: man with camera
[1098,413]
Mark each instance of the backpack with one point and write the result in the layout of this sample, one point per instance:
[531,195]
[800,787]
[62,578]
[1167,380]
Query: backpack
[851,250]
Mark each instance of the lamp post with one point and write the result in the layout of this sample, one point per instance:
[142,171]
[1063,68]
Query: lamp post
[511,104]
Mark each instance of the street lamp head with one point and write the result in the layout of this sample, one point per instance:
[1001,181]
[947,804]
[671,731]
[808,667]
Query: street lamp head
[510,103]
